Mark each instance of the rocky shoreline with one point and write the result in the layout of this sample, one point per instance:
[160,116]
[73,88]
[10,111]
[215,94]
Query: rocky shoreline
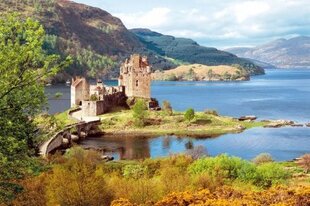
[274,123]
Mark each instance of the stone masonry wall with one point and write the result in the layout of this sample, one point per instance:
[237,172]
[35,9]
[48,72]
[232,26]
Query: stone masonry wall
[94,108]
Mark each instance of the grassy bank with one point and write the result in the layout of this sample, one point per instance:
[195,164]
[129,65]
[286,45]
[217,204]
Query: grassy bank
[160,123]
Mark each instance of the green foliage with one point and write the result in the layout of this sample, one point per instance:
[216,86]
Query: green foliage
[262,158]
[94,97]
[189,114]
[58,95]
[78,175]
[191,75]
[171,77]
[139,113]
[96,64]
[24,67]
[270,174]
[233,168]
[211,112]
[135,171]
[227,76]
[167,108]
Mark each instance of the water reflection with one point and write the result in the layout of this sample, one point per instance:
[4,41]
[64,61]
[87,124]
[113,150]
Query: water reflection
[282,144]
[121,147]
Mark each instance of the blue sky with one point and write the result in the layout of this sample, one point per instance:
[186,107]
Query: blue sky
[221,24]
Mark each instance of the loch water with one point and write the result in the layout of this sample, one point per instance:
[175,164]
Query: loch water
[280,94]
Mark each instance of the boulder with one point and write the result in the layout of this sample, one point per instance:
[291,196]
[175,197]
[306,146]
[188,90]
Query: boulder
[107,158]
[83,135]
[74,138]
[240,127]
[65,142]
[247,118]
[297,125]
[280,123]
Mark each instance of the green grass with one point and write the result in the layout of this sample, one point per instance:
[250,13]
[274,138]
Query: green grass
[159,123]
[64,118]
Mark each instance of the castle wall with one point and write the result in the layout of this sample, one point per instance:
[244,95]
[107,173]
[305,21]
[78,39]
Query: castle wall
[79,91]
[94,108]
[76,95]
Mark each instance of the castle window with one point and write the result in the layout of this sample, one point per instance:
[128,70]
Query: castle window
[137,83]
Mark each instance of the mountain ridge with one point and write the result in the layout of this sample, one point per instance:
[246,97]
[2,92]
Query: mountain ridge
[282,53]
[190,51]
[97,40]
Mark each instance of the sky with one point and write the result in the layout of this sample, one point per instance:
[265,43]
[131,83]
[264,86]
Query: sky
[216,23]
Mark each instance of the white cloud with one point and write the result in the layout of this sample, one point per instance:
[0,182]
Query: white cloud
[154,18]
[216,23]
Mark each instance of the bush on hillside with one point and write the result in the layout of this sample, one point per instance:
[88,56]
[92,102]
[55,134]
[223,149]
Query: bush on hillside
[189,114]
[304,162]
[167,108]
[262,158]
[211,112]
[139,113]
[233,168]
[270,174]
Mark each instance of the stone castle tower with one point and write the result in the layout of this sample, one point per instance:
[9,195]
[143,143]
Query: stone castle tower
[135,76]
[79,91]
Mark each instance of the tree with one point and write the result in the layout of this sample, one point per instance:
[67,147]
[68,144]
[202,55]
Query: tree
[139,113]
[262,158]
[24,67]
[304,162]
[76,182]
[189,114]
[167,108]
[94,97]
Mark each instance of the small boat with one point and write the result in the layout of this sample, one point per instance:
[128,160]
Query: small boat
[68,82]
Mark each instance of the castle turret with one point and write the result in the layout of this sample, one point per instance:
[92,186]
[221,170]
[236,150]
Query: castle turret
[135,76]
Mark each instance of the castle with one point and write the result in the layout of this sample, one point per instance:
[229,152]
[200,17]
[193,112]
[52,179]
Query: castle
[134,82]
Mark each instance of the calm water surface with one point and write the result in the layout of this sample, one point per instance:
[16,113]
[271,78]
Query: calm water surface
[280,94]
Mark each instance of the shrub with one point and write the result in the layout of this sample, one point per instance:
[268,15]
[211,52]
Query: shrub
[167,108]
[262,158]
[270,174]
[224,167]
[304,162]
[94,97]
[134,171]
[33,192]
[206,181]
[211,112]
[189,114]
[138,191]
[173,179]
[171,77]
[197,152]
[77,176]
[58,95]
[139,113]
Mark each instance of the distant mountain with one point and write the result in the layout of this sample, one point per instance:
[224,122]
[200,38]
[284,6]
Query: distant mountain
[282,53]
[188,51]
[99,42]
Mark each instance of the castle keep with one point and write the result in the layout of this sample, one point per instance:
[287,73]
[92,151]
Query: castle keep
[135,76]
[134,82]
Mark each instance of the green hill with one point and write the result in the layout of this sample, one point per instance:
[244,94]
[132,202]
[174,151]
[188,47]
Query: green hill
[98,41]
[187,50]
